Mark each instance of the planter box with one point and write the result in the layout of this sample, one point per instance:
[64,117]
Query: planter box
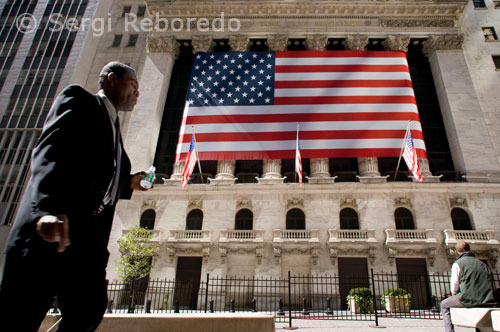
[397,303]
[356,308]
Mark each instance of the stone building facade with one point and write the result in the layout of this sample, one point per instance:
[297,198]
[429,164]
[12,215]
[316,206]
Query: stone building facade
[350,214]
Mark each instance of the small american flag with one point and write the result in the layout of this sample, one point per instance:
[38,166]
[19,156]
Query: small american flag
[190,163]
[410,156]
[298,159]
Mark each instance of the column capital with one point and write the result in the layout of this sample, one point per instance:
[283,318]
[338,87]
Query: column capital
[442,42]
[239,43]
[163,45]
[356,42]
[277,42]
[396,43]
[202,43]
[316,42]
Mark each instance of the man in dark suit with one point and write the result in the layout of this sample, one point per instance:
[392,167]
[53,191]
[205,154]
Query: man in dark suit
[58,243]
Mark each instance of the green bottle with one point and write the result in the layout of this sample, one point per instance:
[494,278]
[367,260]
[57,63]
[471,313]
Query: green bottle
[149,178]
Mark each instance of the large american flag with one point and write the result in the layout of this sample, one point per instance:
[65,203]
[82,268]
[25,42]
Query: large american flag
[245,105]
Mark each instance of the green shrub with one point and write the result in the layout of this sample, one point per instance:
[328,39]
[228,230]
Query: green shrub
[396,292]
[362,297]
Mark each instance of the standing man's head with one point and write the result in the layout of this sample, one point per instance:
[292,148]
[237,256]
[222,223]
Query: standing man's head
[119,83]
[462,247]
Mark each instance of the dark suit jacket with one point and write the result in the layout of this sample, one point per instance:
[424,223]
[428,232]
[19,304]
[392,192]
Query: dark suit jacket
[72,166]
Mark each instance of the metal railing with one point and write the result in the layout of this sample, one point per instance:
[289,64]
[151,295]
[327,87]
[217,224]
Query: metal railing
[290,297]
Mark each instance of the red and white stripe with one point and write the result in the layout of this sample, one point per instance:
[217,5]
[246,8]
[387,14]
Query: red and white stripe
[349,104]
[298,159]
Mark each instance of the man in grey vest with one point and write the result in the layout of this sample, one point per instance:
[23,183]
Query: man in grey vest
[471,284]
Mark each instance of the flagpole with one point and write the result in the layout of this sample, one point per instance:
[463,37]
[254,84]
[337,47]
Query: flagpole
[402,148]
[296,153]
[197,155]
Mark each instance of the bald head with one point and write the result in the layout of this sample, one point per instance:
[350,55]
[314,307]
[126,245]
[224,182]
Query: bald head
[462,247]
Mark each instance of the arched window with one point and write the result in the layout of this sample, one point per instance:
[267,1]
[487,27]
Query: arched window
[461,220]
[194,220]
[295,219]
[404,219]
[349,219]
[243,220]
[148,219]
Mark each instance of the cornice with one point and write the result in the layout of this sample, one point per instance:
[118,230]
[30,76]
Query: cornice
[307,9]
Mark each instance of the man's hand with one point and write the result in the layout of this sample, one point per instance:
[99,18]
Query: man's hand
[54,229]
[135,181]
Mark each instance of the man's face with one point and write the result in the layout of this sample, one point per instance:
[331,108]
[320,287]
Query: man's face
[127,91]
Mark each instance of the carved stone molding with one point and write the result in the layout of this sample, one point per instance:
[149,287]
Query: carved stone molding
[316,42]
[195,204]
[355,42]
[239,43]
[442,42]
[402,202]
[148,204]
[488,253]
[396,43]
[295,203]
[243,204]
[336,252]
[202,44]
[167,45]
[348,202]
[277,42]
[458,202]
[414,23]
[428,253]
[172,251]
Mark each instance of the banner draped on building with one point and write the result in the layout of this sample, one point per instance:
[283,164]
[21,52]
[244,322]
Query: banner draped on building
[246,105]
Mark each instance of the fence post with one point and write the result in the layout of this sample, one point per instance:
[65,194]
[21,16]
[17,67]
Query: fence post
[290,327]
[110,306]
[148,306]
[280,306]
[329,306]
[374,297]
[232,306]
[206,293]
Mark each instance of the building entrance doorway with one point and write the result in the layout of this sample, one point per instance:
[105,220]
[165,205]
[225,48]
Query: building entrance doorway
[412,276]
[353,273]
[187,282]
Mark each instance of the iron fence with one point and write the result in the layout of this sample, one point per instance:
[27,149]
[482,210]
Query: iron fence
[389,295]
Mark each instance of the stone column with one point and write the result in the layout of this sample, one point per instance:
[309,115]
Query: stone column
[142,134]
[400,43]
[200,44]
[368,167]
[471,149]
[319,167]
[225,168]
[271,168]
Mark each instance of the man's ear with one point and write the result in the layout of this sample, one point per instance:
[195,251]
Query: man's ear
[112,78]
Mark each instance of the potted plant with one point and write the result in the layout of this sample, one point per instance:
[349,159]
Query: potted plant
[360,300]
[396,300]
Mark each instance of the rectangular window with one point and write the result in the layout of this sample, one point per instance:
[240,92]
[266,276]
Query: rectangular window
[132,40]
[126,10]
[117,41]
[141,10]
[496,61]
[489,34]
[479,3]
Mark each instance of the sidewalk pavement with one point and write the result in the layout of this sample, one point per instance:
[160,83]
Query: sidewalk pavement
[386,325]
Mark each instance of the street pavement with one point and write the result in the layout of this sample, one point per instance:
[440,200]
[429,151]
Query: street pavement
[385,325]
